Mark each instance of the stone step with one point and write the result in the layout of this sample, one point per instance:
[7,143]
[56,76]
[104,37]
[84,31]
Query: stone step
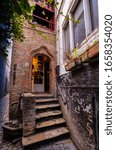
[44,101]
[39,96]
[50,106]
[45,136]
[44,96]
[48,114]
[50,123]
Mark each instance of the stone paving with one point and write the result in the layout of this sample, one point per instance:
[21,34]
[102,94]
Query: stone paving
[4,107]
[16,144]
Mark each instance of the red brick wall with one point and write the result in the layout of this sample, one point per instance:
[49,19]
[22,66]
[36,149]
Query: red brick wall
[22,55]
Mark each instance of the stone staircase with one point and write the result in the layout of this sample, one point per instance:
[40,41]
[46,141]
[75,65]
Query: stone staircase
[50,124]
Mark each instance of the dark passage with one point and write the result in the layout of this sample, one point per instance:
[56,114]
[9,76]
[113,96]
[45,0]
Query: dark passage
[47,69]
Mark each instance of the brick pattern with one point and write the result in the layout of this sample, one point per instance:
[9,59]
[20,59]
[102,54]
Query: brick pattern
[80,88]
[20,78]
[28,115]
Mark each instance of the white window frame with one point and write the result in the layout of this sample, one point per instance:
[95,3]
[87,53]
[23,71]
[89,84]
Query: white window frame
[87,15]
[87,18]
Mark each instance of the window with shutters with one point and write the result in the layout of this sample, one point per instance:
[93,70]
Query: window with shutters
[79,29]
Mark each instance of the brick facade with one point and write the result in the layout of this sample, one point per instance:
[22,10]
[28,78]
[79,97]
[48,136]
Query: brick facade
[21,68]
[28,110]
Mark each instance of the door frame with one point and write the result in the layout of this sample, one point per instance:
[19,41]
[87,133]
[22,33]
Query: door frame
[52,64]
[44,68]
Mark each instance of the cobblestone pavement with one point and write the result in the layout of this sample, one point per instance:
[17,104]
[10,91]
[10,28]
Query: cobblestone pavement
[16,145]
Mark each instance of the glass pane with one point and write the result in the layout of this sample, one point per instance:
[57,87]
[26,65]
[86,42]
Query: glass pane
[38,80]
[67,38]
[40,58]
[94,13]
[78,10]
[79,31]
[40,73]
[40,66]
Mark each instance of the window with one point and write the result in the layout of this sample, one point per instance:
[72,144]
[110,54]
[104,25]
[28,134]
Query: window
[44,16]
[86,11]
[67,38]
[94,13]
[79,29]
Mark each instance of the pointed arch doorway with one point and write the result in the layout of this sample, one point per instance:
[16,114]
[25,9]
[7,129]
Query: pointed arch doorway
[40,73]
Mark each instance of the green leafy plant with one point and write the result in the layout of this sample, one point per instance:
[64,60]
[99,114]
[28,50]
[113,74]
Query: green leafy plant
[13,17]
[74,53]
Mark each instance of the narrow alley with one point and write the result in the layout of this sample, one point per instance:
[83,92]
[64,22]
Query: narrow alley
[51,76]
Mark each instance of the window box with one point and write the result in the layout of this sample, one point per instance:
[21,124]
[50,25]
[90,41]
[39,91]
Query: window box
[85,56]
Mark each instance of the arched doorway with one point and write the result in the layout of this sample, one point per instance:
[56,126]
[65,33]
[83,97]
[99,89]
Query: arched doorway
[40,73]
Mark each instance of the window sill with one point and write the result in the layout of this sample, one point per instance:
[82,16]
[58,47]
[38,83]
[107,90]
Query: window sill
[88,49]
[88,42]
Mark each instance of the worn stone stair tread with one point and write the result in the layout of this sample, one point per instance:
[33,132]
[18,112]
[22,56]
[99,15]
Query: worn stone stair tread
[50,123]
[46,100]
[44,136]
[47,106]
[38,95]
[48,114]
